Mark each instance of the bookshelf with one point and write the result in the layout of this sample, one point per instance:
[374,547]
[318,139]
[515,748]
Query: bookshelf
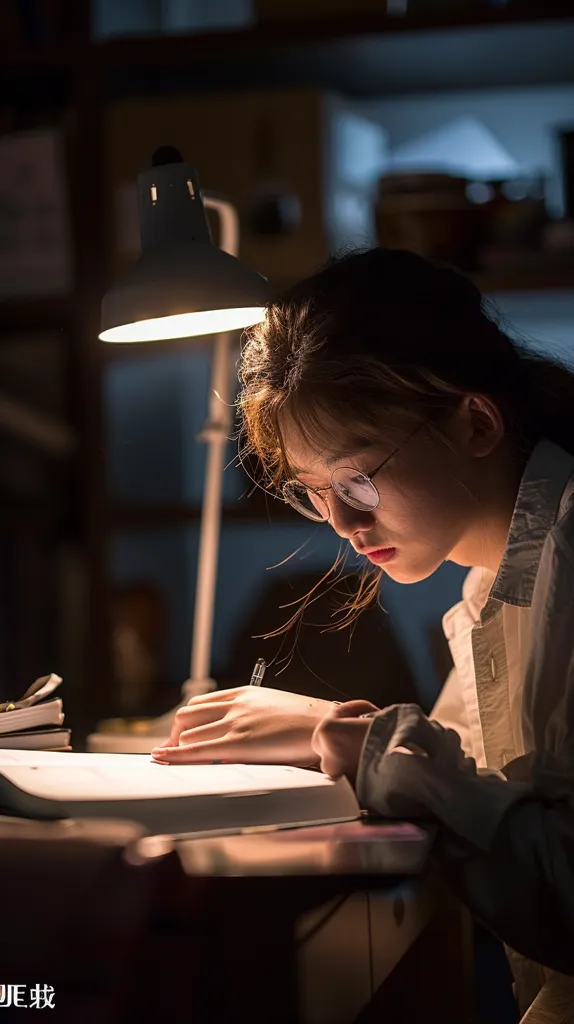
[364,55]
[515,44]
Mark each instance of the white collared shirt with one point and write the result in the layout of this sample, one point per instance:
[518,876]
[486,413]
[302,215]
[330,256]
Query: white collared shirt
[508,836]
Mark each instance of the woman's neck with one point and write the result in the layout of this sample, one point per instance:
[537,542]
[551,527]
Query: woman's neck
[497,488]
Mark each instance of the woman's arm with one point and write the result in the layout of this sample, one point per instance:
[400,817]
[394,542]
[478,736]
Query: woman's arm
[523,887]
[508,846]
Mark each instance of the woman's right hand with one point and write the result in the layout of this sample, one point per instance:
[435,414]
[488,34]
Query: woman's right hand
[249,724]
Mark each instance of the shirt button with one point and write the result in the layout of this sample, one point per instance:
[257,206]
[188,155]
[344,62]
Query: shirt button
[493,668]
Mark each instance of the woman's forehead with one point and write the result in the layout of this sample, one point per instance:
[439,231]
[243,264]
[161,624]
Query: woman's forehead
[306,455]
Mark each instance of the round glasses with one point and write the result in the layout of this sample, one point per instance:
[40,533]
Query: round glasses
[354,488]
[350,485]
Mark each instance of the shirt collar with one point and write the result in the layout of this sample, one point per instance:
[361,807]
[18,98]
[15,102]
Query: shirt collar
[543,482]
[541,488]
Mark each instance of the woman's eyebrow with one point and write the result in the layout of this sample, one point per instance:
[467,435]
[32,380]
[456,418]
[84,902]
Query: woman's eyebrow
[334,457]
[331,459]
[297,471]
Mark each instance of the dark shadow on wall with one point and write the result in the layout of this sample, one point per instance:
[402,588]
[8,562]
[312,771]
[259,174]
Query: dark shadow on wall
[366,662]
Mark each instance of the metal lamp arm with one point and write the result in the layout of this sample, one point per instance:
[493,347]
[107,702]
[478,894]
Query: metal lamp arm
[216,433]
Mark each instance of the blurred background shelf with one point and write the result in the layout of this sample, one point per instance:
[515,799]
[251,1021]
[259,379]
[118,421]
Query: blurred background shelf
[523,279]
[362,55]
[288,106]
[478,45]
[531,278]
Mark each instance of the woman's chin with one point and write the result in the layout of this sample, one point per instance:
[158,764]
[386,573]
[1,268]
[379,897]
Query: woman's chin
[403,572]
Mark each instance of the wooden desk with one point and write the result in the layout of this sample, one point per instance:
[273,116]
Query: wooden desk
[251,929]
[296,932]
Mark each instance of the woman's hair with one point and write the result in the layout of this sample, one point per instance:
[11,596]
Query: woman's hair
[383,332]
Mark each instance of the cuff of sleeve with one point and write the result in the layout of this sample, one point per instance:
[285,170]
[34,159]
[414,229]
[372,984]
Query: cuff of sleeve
[443,784]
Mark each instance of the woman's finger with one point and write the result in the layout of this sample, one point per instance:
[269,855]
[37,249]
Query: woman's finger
[202,714]
[198,753]
[203,733]
[199,714]
[216,696]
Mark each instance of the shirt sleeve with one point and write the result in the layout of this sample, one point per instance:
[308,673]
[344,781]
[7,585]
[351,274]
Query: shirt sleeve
[508,847]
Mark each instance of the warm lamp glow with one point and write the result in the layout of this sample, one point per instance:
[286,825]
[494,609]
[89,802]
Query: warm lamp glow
[182,286]
[186,325]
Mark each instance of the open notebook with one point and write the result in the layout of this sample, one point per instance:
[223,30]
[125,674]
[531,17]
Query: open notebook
[193,799]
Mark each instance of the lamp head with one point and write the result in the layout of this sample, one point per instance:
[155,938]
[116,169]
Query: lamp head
[182,285]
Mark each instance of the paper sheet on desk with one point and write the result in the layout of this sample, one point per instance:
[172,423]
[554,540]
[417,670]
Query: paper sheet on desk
[127,776]
[35,758]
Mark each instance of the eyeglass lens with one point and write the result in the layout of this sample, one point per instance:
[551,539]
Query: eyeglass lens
[355,488]
[352,487]
[310,504]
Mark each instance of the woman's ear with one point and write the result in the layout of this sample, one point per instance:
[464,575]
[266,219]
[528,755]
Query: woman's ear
[484,425]
[479,425]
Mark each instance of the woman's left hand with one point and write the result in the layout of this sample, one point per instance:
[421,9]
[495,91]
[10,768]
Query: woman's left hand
[339,737]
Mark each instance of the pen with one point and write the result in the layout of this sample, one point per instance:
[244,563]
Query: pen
[258,672]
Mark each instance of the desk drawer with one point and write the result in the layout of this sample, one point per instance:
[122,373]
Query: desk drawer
[348,947]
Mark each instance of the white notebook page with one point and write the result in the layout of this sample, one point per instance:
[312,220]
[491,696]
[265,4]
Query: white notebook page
[68,776]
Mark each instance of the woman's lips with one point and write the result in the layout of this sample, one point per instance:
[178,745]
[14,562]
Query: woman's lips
[382,555]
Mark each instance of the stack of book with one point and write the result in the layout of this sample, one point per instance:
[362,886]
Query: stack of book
[35,722]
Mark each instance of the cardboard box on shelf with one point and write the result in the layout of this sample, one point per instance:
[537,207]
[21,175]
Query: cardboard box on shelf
[301,166]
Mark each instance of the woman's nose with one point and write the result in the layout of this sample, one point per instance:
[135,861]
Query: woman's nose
[346,520]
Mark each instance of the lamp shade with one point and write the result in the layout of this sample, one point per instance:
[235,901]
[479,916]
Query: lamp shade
[182,285]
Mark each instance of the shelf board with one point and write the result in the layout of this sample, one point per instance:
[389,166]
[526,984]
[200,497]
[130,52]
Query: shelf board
[531,278]
[361,54]
[526,279]
[127,516]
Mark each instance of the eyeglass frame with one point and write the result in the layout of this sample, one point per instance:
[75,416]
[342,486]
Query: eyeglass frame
[369,476]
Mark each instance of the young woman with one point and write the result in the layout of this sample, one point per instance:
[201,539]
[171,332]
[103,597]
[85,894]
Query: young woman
[382,398]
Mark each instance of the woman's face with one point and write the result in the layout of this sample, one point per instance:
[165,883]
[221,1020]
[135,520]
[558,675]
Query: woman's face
[428,492]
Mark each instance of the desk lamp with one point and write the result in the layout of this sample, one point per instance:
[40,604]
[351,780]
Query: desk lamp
[182,287]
